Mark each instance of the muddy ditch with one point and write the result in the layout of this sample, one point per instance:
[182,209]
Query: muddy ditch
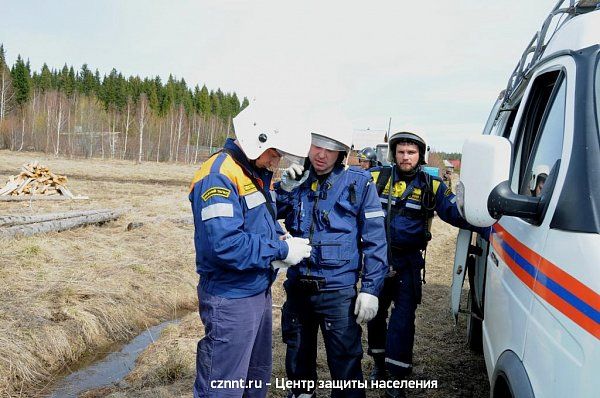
[105,369]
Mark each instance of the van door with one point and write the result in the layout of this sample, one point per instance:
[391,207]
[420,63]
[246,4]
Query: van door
[512,267]
[562,350]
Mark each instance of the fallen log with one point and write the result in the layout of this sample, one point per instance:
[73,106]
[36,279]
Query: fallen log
[60,224]
[9,221]
[40,197]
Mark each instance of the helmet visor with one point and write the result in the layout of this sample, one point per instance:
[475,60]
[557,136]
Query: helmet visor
[327,143]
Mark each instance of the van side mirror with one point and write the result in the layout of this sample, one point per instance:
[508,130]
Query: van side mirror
[485,164]
[504,202]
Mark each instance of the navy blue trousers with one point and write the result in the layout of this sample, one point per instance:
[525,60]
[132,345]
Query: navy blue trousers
[396,342]
[236,346]
[333,312]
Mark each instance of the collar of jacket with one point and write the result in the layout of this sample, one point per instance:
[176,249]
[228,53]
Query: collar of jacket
[333,176]
[240,157]
[406,177]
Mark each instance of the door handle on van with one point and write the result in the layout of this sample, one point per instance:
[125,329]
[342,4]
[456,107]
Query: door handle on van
[494,258]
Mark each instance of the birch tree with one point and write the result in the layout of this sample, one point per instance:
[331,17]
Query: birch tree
[143,113]
[6,93]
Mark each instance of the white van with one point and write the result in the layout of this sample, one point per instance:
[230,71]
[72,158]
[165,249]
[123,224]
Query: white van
[534,298]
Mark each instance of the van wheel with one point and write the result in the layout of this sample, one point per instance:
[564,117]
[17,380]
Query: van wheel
[474,325]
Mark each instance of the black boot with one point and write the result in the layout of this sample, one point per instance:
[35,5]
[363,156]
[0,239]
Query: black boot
[395,392]
[378,372]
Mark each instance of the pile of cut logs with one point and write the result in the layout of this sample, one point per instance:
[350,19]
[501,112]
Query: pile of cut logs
[37,180]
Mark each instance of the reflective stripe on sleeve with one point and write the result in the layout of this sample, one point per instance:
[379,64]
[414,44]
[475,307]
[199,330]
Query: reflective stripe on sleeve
[217,210]
[254,199]
[373,214]
[413,206]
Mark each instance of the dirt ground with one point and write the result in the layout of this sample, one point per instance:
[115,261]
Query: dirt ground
[67,295]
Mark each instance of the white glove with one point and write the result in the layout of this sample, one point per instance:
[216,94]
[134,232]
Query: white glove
[288,178]
[366,307]
[278,264]
[298,249]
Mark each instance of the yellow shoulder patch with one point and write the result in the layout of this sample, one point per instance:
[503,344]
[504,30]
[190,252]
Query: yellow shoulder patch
[216,191]
[235,173]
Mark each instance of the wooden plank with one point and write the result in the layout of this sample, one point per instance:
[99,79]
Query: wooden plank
[10,186]
[65,192]
[23,185]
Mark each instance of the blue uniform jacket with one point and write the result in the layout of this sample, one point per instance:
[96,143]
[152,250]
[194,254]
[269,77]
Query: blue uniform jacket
[343,210]
[235,235]
[408,224]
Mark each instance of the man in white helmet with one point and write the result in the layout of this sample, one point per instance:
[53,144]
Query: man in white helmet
[338,210]
[409,196]
[239,245]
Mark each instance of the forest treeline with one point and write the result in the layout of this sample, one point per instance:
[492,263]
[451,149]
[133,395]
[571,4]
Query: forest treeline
[81,113]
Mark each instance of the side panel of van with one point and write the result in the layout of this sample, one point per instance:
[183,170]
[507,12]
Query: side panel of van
[513,263]
[563,335]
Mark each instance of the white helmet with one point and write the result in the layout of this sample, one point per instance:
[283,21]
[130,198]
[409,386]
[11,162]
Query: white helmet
[261,126]
[332,131]
[540,170]
[414,138]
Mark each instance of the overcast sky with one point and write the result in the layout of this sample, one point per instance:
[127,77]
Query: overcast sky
[433,66]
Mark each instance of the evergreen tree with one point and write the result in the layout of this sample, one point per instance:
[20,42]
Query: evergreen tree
[21,82]
[149,87]
[245,103]
[204,101]
[70,83]
[2,56]
[87,84]
[97,84]
[226,109]
[45,81]
[235,104]
[215,104]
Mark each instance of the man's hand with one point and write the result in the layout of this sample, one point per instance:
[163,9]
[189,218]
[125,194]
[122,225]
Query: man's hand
[288,178]
[366,307]
[298,249]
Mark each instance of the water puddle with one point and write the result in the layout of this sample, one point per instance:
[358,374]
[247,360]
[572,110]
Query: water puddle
[109,370]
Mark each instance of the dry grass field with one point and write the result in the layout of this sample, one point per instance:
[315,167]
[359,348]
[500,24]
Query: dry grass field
[166,369]
[69,295]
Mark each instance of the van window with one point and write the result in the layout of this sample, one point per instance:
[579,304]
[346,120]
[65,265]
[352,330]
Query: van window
[540,115]
[547,146]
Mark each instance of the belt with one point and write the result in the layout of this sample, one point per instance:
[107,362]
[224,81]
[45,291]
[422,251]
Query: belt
[308,284]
